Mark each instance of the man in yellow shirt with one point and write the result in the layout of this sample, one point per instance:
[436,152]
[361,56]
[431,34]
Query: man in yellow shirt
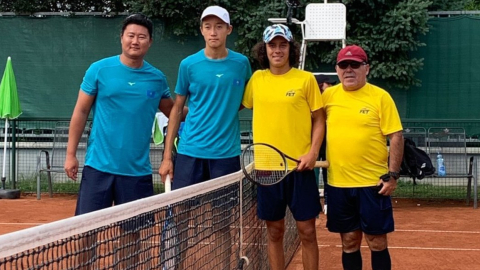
[362,172]
[288,114]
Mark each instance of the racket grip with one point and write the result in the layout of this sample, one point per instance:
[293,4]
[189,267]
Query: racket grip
[168,184]
[322,164]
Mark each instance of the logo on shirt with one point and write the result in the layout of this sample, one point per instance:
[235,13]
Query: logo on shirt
[237,82]
[290,93]
[151,93]
[219,75]
[131,83]
[364,110]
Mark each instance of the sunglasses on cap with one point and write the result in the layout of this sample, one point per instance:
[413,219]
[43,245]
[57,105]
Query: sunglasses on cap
[352,64]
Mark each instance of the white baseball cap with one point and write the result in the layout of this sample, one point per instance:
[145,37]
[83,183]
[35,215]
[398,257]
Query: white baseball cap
[216,11]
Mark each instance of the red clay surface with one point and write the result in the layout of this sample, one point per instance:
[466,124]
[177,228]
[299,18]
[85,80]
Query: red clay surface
[429,235]
[27,211]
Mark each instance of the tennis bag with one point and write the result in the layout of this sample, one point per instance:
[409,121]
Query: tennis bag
[415,163]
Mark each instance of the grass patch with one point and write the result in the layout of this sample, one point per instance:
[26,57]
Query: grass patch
[28,184]
[440,190]
[405,188]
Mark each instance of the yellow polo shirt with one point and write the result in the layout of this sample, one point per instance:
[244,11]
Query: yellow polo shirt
[282,106]
[358,123]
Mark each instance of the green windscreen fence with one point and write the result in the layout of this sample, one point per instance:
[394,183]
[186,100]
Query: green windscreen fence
[50,56]
[450,77]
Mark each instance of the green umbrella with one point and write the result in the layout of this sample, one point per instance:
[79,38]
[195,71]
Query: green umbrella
[9,104]
[9,109]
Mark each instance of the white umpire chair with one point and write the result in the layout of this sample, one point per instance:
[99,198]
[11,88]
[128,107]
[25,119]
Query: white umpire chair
[323,22]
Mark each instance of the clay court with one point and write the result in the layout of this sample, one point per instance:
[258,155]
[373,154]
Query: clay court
[429,235]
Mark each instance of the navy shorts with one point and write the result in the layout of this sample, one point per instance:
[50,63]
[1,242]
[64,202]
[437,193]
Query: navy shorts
[351,209]
[190,171]
[298,191]
[99,190]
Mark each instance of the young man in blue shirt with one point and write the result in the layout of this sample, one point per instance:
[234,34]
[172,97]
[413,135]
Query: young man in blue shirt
[213,80]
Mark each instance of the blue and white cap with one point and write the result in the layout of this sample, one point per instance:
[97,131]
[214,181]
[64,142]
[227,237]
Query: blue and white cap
[277,30]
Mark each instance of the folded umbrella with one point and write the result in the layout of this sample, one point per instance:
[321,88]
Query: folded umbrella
[9,109]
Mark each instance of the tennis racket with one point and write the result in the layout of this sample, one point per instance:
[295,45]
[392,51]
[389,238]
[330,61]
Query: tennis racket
[269,164]
[170,246]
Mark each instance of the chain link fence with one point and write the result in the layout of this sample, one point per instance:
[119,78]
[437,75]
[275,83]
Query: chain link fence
[32,137]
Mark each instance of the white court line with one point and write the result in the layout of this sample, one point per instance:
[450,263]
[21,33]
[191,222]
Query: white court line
[261,227]
[413,248]
[22,224]
[439,231]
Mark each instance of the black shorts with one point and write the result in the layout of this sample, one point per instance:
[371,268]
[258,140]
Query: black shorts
[99,190]
[190,171]
[351,209]
[298,191]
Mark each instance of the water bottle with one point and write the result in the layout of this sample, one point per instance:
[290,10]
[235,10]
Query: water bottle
[440,165]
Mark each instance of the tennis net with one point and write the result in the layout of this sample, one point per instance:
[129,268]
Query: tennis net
[212,225]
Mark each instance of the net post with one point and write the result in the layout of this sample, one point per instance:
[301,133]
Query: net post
[241,225]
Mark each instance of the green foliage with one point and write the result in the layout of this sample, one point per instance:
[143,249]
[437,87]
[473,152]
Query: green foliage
[31,6]
[472,5]
[454,5]
[448,5]
[388,30]
[182,18]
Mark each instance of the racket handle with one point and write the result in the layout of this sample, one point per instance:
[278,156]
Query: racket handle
[322,164]
[168,184]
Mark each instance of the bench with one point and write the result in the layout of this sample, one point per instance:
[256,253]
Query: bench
[52,161]
[451,143]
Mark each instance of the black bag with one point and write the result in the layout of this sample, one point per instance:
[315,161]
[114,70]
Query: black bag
[415,163]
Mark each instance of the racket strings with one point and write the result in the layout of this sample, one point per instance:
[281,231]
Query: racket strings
[269,165]
[267,177]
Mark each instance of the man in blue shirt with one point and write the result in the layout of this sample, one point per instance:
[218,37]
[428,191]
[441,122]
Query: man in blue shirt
[213,80]
[124,92]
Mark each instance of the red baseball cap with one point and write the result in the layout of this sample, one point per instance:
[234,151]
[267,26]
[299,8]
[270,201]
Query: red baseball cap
[352,52]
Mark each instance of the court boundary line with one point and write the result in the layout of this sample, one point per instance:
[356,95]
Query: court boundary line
[259,227]
[412,248]
[439,231]
[22,223]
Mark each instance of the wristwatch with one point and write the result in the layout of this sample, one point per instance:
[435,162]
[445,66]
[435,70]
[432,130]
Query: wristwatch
[386,177]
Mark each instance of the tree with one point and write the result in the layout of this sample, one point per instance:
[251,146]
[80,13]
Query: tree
[31,6]
[389,30]
[448,5]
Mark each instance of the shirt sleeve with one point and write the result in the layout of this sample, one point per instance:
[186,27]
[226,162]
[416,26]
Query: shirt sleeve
[182,81]
[164,88]
[314,97]
[89,84]
[247,100]
[249,70]
[389,118]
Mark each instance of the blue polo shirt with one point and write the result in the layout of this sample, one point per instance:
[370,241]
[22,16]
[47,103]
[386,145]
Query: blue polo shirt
[215,89]
[126,100]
